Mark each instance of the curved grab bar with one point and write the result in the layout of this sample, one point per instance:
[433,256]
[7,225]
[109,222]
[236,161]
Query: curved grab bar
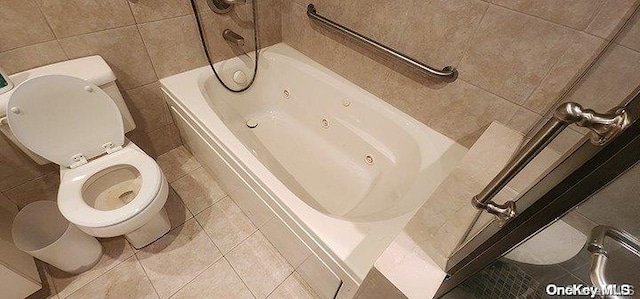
[599,254]
[448,73]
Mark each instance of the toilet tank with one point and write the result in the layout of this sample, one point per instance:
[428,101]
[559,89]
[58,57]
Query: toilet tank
[93,69]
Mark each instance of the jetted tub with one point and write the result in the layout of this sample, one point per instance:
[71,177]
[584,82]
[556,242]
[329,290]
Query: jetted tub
[340,169]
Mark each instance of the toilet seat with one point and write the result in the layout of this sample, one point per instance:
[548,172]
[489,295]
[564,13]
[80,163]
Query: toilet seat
[64,119]
[70,194]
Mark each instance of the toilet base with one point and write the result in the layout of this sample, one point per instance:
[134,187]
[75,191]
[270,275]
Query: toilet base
[153,230]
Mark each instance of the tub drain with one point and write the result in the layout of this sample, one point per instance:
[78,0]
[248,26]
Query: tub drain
[369,159]
[252,124]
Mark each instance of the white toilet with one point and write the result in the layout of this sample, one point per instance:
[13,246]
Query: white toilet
[108,186]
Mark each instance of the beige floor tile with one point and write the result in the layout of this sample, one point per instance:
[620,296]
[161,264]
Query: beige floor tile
[48,289]
[219,281]
[225,223]
[259,265]
[177,258]
[126,280]
[294,287]
[176,210]
[116,250]
[198,190]
[177,163]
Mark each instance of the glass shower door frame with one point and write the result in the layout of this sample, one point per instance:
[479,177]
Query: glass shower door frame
[572,181]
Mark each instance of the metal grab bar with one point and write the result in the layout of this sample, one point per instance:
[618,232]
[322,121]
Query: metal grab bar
[599,254]
[448,73]
[604,127]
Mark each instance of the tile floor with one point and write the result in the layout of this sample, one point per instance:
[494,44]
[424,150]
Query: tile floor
[212,251]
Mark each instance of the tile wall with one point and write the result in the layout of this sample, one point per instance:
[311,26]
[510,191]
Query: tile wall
[142,41]
[515,57]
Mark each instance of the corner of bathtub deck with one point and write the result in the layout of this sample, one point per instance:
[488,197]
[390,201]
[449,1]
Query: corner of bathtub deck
[413,265]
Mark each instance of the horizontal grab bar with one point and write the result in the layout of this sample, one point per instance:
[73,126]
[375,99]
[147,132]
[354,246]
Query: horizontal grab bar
[448,73]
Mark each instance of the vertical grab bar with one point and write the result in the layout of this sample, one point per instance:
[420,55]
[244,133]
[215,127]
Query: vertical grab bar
[604,127]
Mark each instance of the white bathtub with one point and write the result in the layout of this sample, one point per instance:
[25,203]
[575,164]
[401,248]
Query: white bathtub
[338,167]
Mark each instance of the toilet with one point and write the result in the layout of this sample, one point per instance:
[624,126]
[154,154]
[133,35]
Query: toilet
[108,185]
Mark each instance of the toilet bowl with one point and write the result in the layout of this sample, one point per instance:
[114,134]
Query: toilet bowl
[108,186]
[117,194]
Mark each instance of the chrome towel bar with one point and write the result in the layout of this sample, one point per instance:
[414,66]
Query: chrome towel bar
[448,73]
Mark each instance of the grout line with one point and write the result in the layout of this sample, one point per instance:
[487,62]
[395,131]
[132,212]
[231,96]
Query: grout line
[222,255]
[46,20]
[208,237]
[96,278]
[472,36]
[143,85]
[541,18]
[488,91]
[285,279]
[10,200]
[165,19]
[97,31]
[66,55]
[549,72]
[173,230]
[626,47]
[146,50]
[196,277]
[595,15]
[234,269]
[4,192]
[240,277]
[211,238]
[145,271]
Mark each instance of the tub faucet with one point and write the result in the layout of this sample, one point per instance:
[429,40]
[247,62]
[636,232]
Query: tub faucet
[232,37]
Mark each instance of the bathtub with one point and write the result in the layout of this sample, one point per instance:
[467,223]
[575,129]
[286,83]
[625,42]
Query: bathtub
[309,155]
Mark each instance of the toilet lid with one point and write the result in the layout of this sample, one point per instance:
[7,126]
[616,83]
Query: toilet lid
[60,117]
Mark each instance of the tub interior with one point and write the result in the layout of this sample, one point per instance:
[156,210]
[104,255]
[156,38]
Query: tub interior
[324,141]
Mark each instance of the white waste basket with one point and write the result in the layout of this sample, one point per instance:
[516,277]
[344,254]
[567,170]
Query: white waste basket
[40,230]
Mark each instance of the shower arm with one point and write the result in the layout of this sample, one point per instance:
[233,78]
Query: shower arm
[604,127]
[599,254]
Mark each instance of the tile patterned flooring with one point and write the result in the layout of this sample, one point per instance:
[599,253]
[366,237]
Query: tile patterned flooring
[212,251]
